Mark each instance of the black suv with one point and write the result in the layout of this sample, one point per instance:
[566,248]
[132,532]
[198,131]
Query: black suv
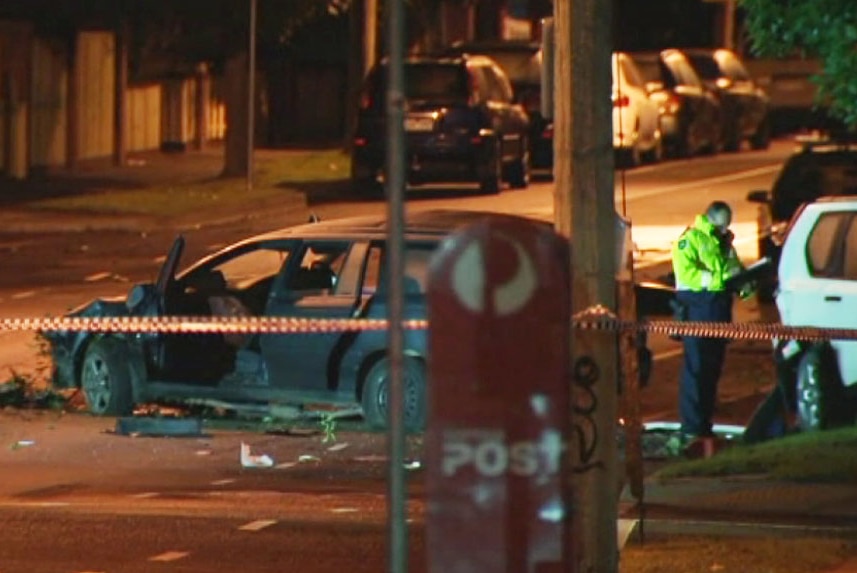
[821,167]
[743,104]
[461,121]
[522,63]
[325,270]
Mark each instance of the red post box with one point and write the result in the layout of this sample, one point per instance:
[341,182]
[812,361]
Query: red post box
[498,400]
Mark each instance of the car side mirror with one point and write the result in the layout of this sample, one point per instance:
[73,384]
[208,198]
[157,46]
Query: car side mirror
[759,196]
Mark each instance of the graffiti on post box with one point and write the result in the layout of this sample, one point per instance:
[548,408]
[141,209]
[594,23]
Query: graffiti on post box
[585,404]
[488,454]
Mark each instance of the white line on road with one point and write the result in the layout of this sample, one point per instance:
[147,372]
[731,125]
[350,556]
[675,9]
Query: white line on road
[146,495]
[257,525]
[223,481]
[668,354]
[705,182]
[170,556]
[344,510]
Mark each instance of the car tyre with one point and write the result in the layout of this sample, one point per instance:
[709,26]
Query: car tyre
[375,396]
[491,183]
[106,379]
[762,138]
[656,153]
[819,396]
[519,172]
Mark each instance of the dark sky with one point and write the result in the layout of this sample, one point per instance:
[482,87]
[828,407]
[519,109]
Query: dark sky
[659,24]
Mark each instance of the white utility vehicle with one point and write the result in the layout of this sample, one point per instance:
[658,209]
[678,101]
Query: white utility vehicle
[817,276]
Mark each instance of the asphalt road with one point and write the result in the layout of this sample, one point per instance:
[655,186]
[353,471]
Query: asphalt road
[79,500]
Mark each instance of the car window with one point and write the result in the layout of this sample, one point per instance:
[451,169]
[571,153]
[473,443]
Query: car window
[249,267]
[631,75]
[424,81]
[319,268]
[849,261]
[821,244]
[732,66]
[503,85]
[416,268]
[706,67]
[519,67]
[495,89]
[372,273]
[685,72]
[807,176]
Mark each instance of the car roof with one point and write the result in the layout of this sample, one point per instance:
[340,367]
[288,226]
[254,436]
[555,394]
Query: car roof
[432,224]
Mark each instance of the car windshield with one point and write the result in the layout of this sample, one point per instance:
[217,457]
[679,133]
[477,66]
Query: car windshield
[649,69]
[808,176]
[521,67]
[705,66]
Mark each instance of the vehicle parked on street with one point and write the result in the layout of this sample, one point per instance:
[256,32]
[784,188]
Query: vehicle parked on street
[636,119]
[818,288]
[522,63]
[325,270]
[825,166]
[689,112]
[462,124]
[743,104]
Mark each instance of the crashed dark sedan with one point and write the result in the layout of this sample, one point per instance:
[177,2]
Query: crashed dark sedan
[330,269]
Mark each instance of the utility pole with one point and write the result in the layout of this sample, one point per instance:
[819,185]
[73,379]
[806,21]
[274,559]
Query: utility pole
[251,94]
[584,210]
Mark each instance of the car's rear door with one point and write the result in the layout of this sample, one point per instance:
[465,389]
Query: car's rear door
[322,282]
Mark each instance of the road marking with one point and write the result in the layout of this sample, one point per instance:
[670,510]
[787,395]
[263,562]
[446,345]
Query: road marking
[170,556]
[146,495]
[257,525]
[705,182]
[223,481]
[344,510]
[668,354]
[23,294]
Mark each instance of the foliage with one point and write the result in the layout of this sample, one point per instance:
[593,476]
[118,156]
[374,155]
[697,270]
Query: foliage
[812,456]
[328,426]
[825,29]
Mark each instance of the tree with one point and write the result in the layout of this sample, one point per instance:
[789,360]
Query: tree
[825,29]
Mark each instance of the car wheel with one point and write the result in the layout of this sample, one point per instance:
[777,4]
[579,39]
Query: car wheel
[375,396]
[519,173]
[106,380]
[762,138]
[491,182]
[819,398]
[731,140]
[656,153]
[368,188]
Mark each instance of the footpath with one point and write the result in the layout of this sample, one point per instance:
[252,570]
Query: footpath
[748,505]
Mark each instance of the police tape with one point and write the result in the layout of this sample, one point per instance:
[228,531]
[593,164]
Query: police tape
[593,319]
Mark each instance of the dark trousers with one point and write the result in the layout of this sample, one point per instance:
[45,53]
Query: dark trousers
[703,361]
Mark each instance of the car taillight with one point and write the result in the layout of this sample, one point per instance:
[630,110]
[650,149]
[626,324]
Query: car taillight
[621,101]
[547,132]
[672,104]
[365,101]
[359,141]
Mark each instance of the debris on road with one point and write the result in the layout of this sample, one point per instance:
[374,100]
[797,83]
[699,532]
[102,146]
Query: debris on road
[250,460]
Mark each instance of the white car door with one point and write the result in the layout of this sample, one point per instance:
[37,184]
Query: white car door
[821,289]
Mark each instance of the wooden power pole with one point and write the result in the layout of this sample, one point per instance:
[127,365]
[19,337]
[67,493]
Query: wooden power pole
[584,210]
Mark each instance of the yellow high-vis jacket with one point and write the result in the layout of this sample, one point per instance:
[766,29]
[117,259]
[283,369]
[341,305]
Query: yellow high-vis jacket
[701,262]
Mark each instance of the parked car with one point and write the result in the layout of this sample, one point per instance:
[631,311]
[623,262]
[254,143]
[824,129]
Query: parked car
[689,112]
[636,121]
[462,125]
[328,269]
[820,167]
[522,63]
[818,288]
[743,104]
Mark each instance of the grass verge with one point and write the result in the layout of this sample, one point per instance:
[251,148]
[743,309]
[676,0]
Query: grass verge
[828,456]
[734,555]
[278,176]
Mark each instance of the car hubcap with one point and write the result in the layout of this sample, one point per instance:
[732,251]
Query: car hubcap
[809,398]
[95,380]
[411,398]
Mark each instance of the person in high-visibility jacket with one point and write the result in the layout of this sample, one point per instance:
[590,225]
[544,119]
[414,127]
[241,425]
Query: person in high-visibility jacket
[703,260]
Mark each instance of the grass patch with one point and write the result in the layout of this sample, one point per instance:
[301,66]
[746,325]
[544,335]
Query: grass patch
[278,176]
[829,456]
[734,555]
